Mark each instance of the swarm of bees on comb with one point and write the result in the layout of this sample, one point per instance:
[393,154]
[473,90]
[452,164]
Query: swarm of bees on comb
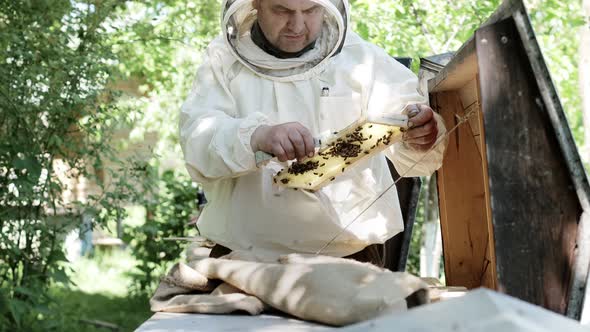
[347,148]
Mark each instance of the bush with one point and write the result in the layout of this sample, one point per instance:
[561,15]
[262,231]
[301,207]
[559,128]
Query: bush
[53,111]
[168,216]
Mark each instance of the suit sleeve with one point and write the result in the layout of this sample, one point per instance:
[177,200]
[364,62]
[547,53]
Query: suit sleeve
[214,139]
[393,88]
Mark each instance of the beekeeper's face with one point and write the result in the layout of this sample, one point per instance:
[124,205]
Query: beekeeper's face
[290,25]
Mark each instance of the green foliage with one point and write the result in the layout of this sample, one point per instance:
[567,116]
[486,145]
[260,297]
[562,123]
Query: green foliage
[168,215]
[54,110]
[419,28]
[60,65]
[557,25]
[79,309]
[101,293]
[422,28]
[161,48]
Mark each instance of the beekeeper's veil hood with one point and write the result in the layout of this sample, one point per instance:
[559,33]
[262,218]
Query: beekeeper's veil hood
[237,19]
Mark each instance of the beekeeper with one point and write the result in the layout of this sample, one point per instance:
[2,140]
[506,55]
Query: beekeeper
[259,88]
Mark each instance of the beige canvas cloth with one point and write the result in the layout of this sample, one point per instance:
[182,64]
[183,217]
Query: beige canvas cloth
[323,289]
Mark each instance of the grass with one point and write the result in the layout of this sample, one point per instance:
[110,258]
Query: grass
[101,292]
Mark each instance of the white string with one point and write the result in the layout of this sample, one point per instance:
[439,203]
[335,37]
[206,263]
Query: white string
[461,121]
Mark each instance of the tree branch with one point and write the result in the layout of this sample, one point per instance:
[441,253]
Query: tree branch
[454,34]
[424,28]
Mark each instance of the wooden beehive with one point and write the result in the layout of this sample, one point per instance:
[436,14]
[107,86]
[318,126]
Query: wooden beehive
[512,189]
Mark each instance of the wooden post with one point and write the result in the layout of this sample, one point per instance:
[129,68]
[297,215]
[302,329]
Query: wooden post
[585,78]
[535,207]
[580,301]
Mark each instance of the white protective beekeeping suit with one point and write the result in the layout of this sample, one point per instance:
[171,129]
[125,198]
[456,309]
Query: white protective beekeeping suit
[240,87]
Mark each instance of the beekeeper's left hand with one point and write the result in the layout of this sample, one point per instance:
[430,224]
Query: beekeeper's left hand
[423,131]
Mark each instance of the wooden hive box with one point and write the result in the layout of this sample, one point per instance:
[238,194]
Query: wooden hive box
[512,189]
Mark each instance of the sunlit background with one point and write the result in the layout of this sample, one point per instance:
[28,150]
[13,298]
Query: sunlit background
[89,100]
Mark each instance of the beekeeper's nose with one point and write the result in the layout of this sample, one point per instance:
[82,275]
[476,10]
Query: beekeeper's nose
[296,22]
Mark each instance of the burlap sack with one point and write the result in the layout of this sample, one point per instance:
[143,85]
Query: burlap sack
[328,290]
[186,290]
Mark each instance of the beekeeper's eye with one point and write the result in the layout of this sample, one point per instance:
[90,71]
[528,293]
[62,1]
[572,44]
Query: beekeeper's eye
[280,10]
[313,10]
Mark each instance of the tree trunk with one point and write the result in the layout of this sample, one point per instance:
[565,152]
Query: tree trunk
[585,79]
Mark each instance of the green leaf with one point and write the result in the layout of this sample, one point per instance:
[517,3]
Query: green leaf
[17,309]
[59,256]
[59,275]
[25,291]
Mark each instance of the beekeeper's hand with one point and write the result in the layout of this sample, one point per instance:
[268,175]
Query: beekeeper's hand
[286,141]
[423,131]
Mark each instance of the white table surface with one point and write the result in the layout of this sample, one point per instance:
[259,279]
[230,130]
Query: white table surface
[478,311]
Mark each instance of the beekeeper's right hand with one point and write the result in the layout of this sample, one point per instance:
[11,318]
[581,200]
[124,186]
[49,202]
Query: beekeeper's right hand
[286,141]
